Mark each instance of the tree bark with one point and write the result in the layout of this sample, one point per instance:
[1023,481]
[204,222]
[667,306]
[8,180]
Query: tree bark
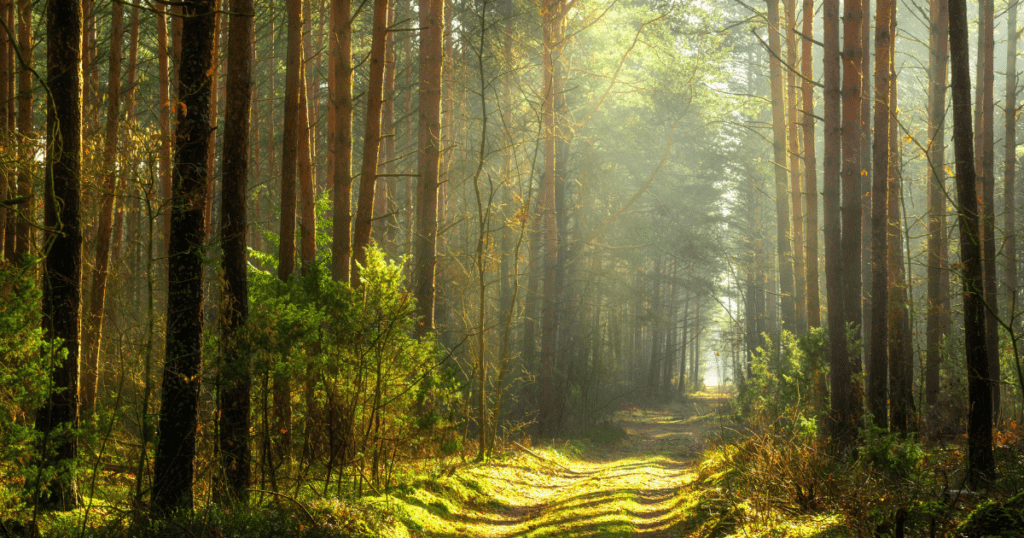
[341,100]
[62,278]
[1009,165]
[980,461]
[935,329]
[176,449]
[165,112]
[785,254]
[901,377]
[984,161]
[23,228]
[428,167]
[796,194]
[5,133]
[841,430]
[851,198]
[878,379]
[810,170]
[371,142]
[236,382]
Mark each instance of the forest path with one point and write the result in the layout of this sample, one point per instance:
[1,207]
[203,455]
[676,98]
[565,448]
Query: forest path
[634,487]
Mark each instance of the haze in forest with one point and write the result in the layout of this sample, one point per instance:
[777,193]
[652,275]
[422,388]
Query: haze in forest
[510,268]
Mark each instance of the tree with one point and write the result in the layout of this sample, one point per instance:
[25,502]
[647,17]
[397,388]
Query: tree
[980,461]
[793,139]
[340,88]
[293,91]
[5,130]
[785,255]
[984,159]
[840,424]
[876,392]
[23,229]
[937,316]
[1009,163]
[371,141]
[93,336]
[810,169]
[235,377]
[851,186]
[425,234]
[62,275]
[176,448]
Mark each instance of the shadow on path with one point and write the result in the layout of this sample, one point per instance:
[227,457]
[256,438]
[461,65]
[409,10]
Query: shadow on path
[635,488]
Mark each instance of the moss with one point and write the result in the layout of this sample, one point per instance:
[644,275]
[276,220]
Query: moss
[991,518]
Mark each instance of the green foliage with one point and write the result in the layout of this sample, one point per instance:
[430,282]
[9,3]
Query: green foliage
[786,376]
[378,392]
[890,453]
[23,382]
[992,518]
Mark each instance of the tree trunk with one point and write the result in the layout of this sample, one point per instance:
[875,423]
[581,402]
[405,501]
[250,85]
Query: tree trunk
[779,157]
[878,379]
[1009,165]
[307,185]
[165,113]
[935,330]
[810,169]
[851,198]
[984,162]
[282,428]
[371,142]
[235,371]
[901,401]
[5,133]
[23,228]
[866,181]
[341,100]
[62,279]
[841,429]
[425,234]
[793,91]
[175,453]
[547,206]
[980,461]
[93,336]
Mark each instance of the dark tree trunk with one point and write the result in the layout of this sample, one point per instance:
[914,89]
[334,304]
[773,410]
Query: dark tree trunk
[987,179]
[851,198]
[878,373]
[235,379]
[1009,166]
[980,461]
[175,453]
[936,329]
[62,275]
[841,430]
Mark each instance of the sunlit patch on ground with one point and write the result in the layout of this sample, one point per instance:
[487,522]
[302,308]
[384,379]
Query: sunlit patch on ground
[635,488]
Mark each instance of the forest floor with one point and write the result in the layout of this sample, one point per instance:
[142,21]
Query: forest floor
[629,481]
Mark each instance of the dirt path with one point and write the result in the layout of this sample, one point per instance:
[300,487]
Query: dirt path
[631,488]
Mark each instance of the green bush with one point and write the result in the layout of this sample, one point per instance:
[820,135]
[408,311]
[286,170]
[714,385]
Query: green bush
[24,380]
[373,393]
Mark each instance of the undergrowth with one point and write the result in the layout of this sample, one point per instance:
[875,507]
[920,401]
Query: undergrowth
[775,473]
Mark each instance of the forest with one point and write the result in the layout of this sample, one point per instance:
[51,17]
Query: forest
[538,268]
